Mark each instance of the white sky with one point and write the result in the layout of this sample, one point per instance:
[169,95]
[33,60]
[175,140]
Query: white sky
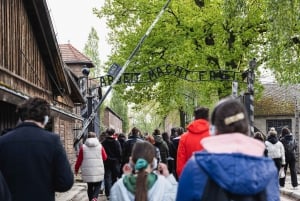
[73,20]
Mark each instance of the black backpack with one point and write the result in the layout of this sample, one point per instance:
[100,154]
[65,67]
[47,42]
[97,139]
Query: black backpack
[289,145]
[213,192]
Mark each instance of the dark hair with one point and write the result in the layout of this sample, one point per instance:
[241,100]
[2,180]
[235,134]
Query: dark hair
[92,135]
[229,116]
[201,113]
[146,151]
[259,136]
[165,137]
[34,109]
[285,131]
[156,132]
[110,131]
[135,131]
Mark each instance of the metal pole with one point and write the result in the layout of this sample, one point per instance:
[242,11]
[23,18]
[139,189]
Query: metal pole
[250,97]
[92,116]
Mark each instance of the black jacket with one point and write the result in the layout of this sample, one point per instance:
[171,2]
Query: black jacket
[34,163]
[112,148]
[4,191]
[127,148]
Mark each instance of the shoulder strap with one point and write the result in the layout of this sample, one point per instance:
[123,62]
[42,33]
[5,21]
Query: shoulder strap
[214,192]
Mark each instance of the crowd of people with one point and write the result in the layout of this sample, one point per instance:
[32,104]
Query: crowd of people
[214,159]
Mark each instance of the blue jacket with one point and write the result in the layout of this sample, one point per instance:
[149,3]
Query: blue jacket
[34,163]
[235,172]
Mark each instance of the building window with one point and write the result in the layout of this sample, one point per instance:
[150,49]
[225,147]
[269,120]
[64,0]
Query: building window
[278,124]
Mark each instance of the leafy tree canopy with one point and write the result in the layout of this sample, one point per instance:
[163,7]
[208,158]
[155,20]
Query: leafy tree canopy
[202,35]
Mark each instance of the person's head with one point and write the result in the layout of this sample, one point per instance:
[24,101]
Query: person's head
[180,131]
[34,109]
[135,132]
[285,131]
[201,113]
[259,136]
[110,131]
[150,139]
[92,135]
[142,156]
[230,116]
[156,132]
[272,132]
[102,136]
[165,136]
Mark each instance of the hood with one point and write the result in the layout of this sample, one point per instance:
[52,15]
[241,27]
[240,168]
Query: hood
[289,137]
[234,160]
[198,126]
[92,142]
[273,139]
[235,172]
[158,138]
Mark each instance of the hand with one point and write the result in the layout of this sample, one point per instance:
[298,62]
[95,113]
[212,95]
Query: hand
[127,169]
[163,169]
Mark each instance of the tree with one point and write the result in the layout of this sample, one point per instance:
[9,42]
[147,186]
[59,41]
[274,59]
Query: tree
[118,105]
[91,49]
[202,35]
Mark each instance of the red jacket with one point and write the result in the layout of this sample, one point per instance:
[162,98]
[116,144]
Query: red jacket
[190,142]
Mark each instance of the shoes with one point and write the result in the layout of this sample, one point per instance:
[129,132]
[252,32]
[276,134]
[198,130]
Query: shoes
[295,188]
[94,199]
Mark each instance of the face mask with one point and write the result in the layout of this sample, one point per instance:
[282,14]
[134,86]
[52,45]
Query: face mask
[212,130]
[46,119]
[154,164]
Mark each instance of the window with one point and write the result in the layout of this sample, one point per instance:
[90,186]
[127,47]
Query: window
[278,124]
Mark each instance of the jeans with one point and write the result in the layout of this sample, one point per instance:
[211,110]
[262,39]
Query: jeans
[93,189]
[112,171]
[291,163]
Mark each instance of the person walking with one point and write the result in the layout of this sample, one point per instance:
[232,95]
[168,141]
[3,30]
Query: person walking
[172,152]
[275,149]
[290,147]
[140,182]
[232,165]
[32,159]
[162,146]
[112,163]
[90,159]
[190,141]
[134,136]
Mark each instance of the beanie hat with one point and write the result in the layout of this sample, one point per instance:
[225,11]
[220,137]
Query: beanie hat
[272,131]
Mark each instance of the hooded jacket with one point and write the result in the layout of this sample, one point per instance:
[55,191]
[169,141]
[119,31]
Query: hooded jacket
[164,189]
[275,148]
[235,162]
[190,142]
[90,158]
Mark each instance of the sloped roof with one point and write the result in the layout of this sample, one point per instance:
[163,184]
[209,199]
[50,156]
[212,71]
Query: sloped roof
[71,55]
[40,19]
[277,100]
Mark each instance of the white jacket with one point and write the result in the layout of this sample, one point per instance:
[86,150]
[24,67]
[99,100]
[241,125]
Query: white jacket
[164,189]
[92,168]
[276,150]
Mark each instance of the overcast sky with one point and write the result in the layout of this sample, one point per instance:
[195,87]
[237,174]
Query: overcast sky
[73,20]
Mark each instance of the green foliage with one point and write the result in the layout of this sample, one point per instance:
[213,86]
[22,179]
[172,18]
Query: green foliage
[209,35]
[119,105]
[91,50]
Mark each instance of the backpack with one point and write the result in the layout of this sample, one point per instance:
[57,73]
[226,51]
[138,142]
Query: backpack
[214,192]
[289,145]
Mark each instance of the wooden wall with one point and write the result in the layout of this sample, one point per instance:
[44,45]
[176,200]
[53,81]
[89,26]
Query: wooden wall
[21,64]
